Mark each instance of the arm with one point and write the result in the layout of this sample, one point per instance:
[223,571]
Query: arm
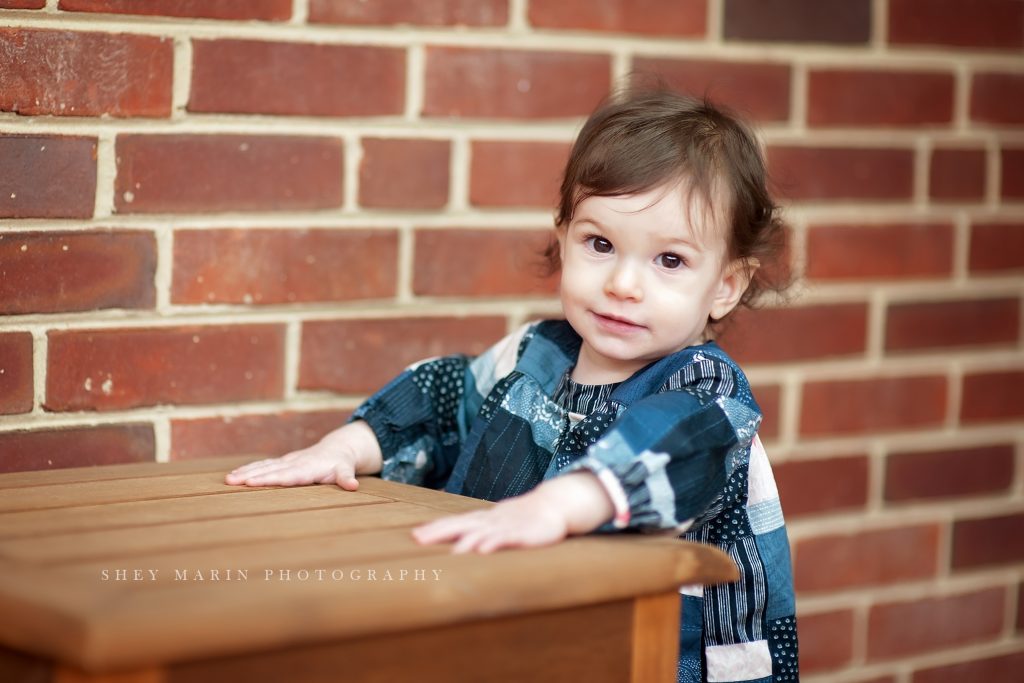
[336,459]
[409,431]
[421,417]
[564,506]
[661,465]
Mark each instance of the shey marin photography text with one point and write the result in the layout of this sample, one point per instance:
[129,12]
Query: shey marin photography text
[375,574]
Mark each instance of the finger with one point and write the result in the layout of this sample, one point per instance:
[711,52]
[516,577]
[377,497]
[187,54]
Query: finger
[345,477]
[252,465]
[469,541]
[444,529]
[492,543]
[283,475]
[429,534]
[253,468]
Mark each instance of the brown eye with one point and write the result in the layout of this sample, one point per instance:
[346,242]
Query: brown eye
[670,261]
[600,245]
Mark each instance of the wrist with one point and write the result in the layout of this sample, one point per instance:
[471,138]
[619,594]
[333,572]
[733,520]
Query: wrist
[356,443]
[580,500]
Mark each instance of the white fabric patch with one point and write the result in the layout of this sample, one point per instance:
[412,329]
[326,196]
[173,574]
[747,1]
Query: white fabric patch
[765,516]
[739,662]
[761,481]
[694,590]
[497,361]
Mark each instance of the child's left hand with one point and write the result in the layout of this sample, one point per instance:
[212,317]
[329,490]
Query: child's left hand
[572,504]
[521,521]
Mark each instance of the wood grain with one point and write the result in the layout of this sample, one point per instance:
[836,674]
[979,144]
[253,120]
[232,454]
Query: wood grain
[77,475]
[586,644]
[307,555]
[655,652]
[137,543]
[261,501]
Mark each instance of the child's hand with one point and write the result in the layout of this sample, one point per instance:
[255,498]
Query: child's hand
[336,459]
[574,503]
[314,465]
[522,521]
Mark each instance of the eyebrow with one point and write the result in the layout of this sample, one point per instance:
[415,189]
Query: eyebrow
[667,239]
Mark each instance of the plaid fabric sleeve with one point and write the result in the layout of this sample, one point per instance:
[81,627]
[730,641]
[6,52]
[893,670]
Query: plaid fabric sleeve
[421,417]
[672,453]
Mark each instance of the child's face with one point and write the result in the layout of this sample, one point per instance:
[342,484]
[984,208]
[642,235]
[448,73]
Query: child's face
[641,274]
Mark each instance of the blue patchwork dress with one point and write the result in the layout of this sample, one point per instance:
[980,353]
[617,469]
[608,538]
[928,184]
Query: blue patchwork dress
[675,446]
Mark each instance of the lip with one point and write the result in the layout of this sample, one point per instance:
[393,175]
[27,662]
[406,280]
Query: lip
[614,323]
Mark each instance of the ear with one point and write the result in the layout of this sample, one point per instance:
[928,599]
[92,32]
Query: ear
[736,278]
[560,233]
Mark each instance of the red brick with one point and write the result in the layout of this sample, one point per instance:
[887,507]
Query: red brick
[997,98]
[992,396]
[72,73]
[515,174]
[417,12]
[266,10]
[996,248]
[262,77]
[849,97]
[759,90]
[1001,669]
[255,435]
[948,473]
[870,252]
[830,173]
[943,324]
[47,177]
[1012,163]
[653,17]
[826,640]
[283,266]
[779,335]
[196,173]
[22,4]
[514,84]
[480,263]
[769,399]
[986,24]
[957,174]
[868,406]
[803,21]
[46,449]
[131,368]
[988,541]
[50,272]
[866,558]
[15,373]
[404,174]
[934,624]
[360,356]
[821,486]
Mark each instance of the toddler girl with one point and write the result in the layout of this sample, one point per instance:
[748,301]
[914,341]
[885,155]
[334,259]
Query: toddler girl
[624,415]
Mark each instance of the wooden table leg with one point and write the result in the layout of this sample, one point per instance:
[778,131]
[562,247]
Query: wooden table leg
[655,638]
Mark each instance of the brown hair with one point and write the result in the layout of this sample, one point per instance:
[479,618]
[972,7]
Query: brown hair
[655,136]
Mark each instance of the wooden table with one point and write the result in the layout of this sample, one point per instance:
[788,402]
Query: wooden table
[223,583]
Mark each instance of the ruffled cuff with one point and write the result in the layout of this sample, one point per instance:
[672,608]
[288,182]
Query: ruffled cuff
[637,484]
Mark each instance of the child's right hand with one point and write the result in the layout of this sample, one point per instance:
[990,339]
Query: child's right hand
[336,459]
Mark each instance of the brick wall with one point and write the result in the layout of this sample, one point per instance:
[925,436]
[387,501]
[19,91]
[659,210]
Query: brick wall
[223,223]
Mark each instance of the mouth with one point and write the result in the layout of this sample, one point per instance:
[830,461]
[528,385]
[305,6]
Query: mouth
[616,323]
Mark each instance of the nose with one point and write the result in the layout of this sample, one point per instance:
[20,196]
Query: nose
[623,281]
